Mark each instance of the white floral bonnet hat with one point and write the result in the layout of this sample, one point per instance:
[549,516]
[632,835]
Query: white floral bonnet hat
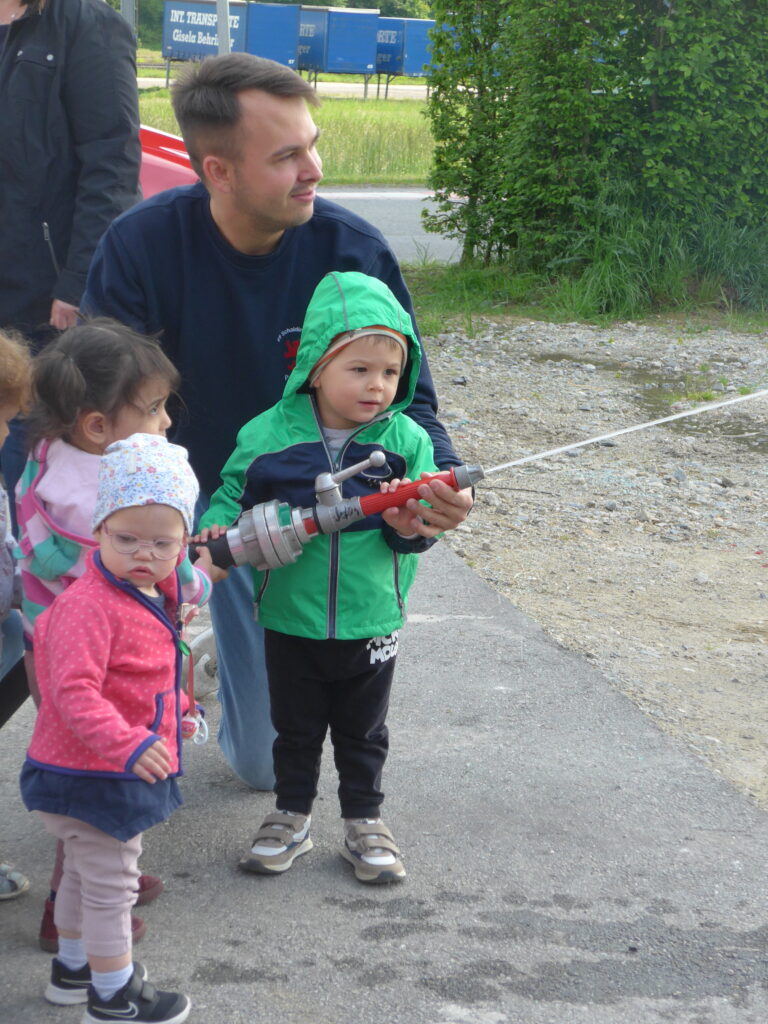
[145,469]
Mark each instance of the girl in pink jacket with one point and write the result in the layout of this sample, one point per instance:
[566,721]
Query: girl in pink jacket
[97,383]
[106,748]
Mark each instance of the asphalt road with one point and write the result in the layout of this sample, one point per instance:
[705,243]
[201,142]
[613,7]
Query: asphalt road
[567,862]
[397,90]
[397,213]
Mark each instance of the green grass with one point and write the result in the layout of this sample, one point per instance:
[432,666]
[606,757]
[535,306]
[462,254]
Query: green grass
[459,296]
[375,142]
[363,143]
[155,110]
[454,294]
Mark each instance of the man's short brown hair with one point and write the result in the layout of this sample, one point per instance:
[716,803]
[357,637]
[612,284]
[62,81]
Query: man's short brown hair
[207,106]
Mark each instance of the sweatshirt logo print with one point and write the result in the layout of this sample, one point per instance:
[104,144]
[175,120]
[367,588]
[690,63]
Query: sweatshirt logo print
[290,348]
[382,648]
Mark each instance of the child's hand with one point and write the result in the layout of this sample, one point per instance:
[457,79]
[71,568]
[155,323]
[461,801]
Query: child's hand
[204,555]
[205,562]
[154,763]
[402,518]
[209,533]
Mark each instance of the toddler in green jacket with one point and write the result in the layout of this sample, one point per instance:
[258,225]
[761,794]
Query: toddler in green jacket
[331,619]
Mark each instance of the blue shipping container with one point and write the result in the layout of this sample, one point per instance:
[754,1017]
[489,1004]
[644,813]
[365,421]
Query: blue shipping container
[338,39]
[389,46]
[417,46]
[190,28]
[403,46]
[273,31]
[313,35]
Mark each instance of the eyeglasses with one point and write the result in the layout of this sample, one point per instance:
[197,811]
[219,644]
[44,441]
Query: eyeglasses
[161,548]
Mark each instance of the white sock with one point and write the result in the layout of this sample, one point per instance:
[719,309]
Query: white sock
[72,953]
[108,982]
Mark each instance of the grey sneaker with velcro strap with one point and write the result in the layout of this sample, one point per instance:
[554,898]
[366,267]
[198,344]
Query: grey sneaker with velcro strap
[282,837]
[370,848]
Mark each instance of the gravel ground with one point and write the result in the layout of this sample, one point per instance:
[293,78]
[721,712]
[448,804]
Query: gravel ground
[647,554]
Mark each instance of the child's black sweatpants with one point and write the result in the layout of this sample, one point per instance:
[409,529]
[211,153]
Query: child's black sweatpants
[341,684]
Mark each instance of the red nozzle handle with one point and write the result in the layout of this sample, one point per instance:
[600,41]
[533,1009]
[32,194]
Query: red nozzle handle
[458,477]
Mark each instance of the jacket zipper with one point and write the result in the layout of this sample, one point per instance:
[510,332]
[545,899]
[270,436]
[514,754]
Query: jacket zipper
[49,243]
[259,596]
[396,574]
[165,619]
[333,569]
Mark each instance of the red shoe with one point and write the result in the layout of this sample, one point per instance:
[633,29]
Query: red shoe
[49,937]
[149,889]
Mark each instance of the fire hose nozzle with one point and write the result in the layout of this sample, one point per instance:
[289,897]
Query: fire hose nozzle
[273,534]
[468,476]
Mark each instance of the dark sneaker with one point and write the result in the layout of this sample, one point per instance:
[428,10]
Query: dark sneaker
[48,939]
[282,838]
[139,1002]
[68,987]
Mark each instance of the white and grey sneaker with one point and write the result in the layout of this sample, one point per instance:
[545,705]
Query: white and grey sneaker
[282,837]
[370,848]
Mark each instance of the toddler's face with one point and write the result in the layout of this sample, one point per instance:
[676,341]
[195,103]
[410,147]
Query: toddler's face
[141,544]
[359,383]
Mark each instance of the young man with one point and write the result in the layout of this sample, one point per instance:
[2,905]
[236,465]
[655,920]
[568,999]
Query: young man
[225,270]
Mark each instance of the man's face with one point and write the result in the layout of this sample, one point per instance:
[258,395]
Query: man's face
[277,169]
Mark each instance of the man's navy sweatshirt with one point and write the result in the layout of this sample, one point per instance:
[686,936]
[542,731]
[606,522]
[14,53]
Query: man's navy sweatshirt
[231,322]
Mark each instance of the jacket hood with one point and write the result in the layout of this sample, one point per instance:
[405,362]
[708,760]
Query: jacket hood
[350,302]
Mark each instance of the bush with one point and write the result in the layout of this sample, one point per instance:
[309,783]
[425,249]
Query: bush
[599,138]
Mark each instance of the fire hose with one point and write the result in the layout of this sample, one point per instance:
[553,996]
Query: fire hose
[273,534]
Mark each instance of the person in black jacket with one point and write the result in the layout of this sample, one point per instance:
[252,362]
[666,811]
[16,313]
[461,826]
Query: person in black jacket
[69,164]
[69,160]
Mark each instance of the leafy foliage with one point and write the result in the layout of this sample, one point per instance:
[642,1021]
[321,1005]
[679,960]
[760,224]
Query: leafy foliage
[558,124]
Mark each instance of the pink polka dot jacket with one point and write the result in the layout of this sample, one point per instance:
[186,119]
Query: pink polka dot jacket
[109,669]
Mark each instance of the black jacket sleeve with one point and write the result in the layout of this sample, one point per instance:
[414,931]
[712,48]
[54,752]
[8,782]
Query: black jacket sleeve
[100,98]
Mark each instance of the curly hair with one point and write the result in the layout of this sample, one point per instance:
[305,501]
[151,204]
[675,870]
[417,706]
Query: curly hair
[15,371]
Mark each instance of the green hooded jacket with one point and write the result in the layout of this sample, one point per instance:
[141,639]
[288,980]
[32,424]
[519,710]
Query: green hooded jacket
[353,584]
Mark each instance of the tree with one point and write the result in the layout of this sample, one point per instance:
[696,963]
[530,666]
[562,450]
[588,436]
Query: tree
[542,110]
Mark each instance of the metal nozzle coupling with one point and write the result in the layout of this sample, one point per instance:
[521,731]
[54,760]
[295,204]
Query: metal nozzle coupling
[468,476]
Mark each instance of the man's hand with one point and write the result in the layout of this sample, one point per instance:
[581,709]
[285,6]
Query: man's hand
[447,508]
[63,315]
[154,763]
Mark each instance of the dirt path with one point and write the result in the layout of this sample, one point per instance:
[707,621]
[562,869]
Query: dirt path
[649,554]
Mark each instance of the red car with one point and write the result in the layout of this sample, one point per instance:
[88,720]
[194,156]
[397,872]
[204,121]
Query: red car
[164,162]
